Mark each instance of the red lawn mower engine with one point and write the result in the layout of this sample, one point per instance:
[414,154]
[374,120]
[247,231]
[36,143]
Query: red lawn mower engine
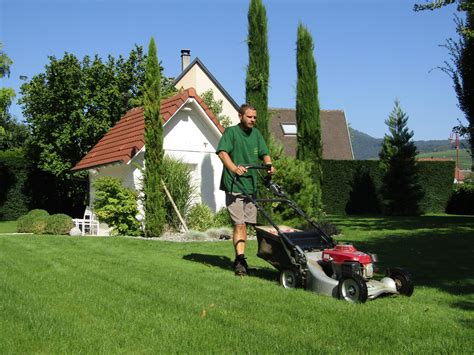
[345,260]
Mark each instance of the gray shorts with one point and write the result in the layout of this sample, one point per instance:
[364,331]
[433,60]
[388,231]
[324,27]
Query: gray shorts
[241,209]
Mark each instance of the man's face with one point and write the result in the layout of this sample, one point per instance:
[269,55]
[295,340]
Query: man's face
[248,119]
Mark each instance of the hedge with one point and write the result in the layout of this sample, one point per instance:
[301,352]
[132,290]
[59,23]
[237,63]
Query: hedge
[437,179]
[14,199]
[462,200]
[353,186]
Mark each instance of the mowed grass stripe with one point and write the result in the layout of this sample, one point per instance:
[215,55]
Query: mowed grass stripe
[63,294]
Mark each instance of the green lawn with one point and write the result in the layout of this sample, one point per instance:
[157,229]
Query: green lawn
[63,294]
[464,157]
[8,227]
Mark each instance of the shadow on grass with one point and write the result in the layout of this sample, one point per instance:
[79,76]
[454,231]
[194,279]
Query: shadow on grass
[404,223]
[226,263]
[436,249]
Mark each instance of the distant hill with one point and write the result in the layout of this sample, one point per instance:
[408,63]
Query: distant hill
[367,147]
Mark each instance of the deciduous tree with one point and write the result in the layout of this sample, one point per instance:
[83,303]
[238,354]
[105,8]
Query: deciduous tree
[69,107]
[461,65]
[12,133]
[216,107]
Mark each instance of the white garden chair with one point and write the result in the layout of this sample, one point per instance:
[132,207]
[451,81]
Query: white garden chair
[89,224]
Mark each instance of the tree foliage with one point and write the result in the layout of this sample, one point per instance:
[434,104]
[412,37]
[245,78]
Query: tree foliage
[462,5]
[461,65]
[5,63]
[258,69]
[12,133]
[401,190]
[461,71]
[155,213]
[309,144]
[71,105]
[216,107]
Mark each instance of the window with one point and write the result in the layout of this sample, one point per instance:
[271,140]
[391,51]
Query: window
[289,129]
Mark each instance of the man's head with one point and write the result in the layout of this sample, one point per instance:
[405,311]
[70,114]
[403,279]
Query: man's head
[248,116]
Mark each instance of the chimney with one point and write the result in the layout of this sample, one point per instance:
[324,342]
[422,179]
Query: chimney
[185,58]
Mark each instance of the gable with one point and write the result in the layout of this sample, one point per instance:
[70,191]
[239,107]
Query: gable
[187,131]
[123,141]
[197,76]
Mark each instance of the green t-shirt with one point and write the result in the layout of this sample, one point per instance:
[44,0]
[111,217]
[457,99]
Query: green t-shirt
[243,148]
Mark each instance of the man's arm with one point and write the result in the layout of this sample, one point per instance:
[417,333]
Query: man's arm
[266,161]
[229,164]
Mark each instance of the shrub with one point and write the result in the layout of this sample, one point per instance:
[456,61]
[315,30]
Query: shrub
[222,219]
[39,224]
[38,213]
[462,200]
[200,217]
[178,180]
[116,205]
[32,222]
[58,224]
[294,177]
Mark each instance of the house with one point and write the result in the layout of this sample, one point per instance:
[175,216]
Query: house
[191,134]
[334,132]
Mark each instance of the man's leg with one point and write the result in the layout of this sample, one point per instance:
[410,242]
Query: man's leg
[239,238]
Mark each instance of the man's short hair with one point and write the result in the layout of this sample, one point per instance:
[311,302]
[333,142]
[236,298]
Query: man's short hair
[245,107]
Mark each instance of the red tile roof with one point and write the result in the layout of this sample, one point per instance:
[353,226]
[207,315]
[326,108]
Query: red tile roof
[126,138]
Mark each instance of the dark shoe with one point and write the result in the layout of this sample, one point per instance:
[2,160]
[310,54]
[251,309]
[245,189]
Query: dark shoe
[240,267]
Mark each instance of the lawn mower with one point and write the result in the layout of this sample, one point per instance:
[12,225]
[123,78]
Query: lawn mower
[312,260]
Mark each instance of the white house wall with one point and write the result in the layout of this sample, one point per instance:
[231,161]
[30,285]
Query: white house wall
[189,138]
[196,78]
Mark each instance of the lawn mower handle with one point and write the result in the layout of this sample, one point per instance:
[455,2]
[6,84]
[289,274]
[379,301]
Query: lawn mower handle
[277,190]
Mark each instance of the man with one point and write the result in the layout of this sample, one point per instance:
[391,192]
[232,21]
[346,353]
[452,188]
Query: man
[242,144]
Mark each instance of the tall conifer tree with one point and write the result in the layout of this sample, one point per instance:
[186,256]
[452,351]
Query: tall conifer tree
[155,215]
[309,147]
[256,84]
[401,189]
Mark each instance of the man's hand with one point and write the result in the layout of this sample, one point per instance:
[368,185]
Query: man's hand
[271,169]
[240,170]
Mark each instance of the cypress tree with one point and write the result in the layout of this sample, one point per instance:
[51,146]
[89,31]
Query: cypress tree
[401,190]
[309,144]
[256,83]
[155,215]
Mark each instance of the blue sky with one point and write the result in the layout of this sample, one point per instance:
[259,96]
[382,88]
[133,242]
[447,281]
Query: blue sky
[368,52]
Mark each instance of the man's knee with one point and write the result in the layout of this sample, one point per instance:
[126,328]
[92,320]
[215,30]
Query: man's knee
[240,227]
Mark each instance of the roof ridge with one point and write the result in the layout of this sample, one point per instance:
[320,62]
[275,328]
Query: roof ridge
[128,132]
[294,109]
